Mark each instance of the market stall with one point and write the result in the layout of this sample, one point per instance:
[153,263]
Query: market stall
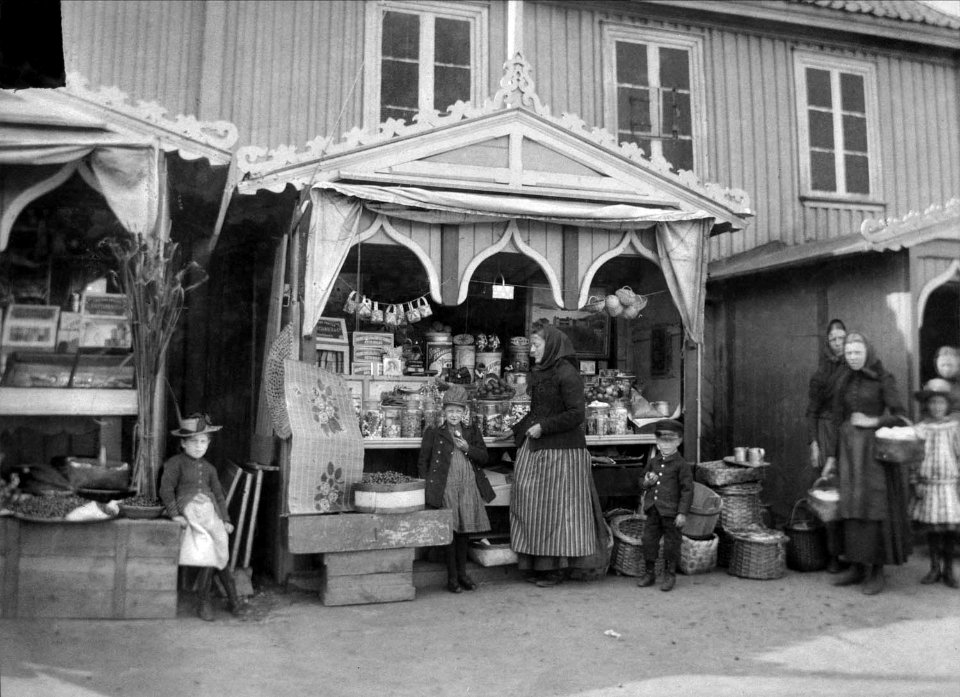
[465,228]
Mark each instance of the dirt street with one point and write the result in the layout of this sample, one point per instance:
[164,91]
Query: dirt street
[713,635]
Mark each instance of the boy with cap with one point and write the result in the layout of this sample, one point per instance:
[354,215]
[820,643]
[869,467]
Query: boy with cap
[667,495]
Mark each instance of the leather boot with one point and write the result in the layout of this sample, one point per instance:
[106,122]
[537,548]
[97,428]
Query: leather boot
[451,553]
[948,578]
[649,575]
[669,576]
[855,574]
[934,574]
[467,583]
[875,581]
[236,606]
[204,580]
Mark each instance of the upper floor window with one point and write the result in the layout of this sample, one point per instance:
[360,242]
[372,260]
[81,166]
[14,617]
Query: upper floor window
[422,56]
[837,127]
[653,87]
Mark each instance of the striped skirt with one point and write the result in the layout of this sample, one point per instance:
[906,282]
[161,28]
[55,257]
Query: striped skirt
[551,511]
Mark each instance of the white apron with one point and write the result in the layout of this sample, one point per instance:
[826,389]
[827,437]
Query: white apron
[204,541]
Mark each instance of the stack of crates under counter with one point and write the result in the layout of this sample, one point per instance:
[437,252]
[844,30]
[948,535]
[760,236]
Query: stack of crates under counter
[746,547]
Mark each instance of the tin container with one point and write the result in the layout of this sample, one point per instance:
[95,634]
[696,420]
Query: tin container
[490,361]
[439,351]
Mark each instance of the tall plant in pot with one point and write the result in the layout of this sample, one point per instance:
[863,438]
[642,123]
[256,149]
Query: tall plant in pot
[155,282]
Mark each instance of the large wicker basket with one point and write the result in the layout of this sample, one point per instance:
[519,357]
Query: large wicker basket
[807,548]
[741,506]
[698,556]
[716,473]
[758,553]
[627,554]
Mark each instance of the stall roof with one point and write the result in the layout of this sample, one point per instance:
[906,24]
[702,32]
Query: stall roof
[511,145]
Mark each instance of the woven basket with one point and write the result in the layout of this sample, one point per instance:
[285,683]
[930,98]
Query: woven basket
[627,554]
[698,556]
[758,553]
[824,500]
[895,452]
[718,473]
[807,548]
[724,547]
[741,506]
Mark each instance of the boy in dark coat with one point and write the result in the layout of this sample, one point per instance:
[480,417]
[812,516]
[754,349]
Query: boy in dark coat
[667,495]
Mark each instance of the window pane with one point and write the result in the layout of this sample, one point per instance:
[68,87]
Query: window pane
[679,153]
[452,42]
[405,115]
[675,114]
[858,174]
[632,64]
[674,68]
[821,129]
[855,133]
[823,174]
[633,110]
[449,85]
[401,36]
[818,87]
[399,84]
[851,93]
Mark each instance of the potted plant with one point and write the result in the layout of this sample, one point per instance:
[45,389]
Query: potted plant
[154,281]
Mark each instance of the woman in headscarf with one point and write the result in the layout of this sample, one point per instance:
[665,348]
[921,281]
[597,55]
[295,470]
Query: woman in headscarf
[552,523]
[873,496]
[821,425]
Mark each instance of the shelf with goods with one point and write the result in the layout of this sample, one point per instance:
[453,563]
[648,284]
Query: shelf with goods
[592,441]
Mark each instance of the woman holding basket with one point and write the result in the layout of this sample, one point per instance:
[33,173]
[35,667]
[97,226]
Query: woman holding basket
[873,496]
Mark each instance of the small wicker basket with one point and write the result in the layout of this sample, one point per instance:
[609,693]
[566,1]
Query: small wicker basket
[716,473]
[698,556]
[758,553]
[824,500]
[593,304]
[627,554]
[807,548]
[741,506]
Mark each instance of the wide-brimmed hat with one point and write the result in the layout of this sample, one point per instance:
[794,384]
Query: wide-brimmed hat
[456,395]
[668,426]
[195,424]
[933,388]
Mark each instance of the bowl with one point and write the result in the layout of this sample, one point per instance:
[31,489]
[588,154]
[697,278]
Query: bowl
[140,512]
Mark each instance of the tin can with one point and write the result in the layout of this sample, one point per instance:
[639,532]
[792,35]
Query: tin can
[439,352]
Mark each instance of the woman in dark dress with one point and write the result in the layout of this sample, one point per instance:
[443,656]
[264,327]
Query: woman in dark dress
[821,424]
[552,522]
[873,496]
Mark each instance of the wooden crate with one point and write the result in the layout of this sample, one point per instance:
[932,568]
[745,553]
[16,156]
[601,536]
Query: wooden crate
[122,569]
[371,576]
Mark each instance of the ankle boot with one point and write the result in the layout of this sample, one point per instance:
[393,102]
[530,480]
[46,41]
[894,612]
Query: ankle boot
[467,583]
[649,575]
[948,578]
[204,579]
[875,581]
[234,603]
[855,574]
[669,576]
[934,574]
[451,555]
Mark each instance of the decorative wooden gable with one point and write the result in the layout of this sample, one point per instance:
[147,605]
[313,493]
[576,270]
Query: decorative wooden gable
[509,145]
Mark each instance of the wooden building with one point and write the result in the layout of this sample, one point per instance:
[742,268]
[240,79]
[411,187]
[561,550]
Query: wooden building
[826,114]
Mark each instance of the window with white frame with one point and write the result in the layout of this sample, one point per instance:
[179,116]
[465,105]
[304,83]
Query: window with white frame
[837,127]
[422,56]
[653,84]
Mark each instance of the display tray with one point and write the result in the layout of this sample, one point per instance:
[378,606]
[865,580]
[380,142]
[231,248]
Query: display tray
[731,460]
[62,521]
[69,370]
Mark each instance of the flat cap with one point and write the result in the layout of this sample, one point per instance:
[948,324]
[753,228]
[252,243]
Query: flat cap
[669,426]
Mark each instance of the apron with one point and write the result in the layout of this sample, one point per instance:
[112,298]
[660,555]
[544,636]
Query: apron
[204,540]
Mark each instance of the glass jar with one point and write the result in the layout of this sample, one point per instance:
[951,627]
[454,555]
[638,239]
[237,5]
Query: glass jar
[619,419]
[391,421]
[489,415]
[371,421]
[411,421]
[431,415]
[598,416]
[519,407]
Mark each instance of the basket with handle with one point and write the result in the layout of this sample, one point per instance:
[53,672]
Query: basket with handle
[823,498]
[896,451]
[716,473]
[698,556]
[594,304]
[807,548]
[741,505]
[627,554]
[758,553]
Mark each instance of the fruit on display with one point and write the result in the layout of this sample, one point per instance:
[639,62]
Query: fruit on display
[494,387]
[386,478]
[598,392]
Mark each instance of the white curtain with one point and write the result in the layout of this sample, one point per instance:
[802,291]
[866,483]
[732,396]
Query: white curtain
[683,261]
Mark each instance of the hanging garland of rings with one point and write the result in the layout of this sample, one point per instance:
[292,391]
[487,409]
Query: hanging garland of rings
[390,315]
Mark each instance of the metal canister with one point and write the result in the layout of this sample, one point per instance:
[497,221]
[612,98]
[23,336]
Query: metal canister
[439,351]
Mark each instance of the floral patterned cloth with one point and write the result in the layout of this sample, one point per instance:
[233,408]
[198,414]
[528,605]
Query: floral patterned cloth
[326,458]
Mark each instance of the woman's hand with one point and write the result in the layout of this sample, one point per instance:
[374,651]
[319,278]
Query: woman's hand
[228,527]
[815,455]
[180,520]
[830,467]
[534,431]
[861,420]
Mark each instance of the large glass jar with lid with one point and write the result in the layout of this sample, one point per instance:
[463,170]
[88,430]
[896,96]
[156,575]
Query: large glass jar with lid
[598,417]
[619,424]
[391,421]
[411,420]
[371,420]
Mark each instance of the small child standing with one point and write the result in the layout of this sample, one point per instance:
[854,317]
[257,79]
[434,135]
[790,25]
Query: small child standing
[451,457]
[936,502]
[191,492]
[667,495]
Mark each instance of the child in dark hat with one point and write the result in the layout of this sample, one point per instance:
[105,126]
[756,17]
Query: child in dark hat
[451,457]
[667,495]
[936,502]
[191,492]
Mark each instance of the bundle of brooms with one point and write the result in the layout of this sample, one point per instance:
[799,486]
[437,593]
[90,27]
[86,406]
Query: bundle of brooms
[154,281]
